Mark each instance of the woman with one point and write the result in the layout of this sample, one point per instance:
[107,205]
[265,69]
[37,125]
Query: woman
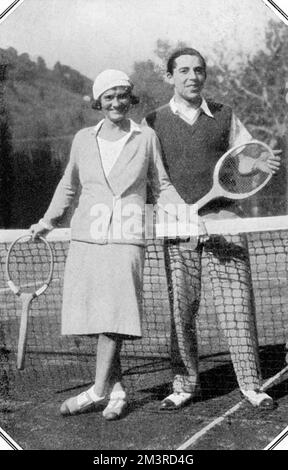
[110,164]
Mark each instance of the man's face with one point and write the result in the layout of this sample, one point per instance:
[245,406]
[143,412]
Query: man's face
[188,77]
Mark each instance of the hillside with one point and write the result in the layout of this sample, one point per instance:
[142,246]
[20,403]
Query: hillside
[41,110]
[43,102]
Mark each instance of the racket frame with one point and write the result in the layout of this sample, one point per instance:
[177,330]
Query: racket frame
[26,297]
[217,190]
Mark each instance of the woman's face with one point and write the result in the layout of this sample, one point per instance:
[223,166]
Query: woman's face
[115,103]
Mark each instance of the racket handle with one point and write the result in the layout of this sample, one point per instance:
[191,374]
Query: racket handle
[205,199]
[13,288]
[41,290]
[26,299]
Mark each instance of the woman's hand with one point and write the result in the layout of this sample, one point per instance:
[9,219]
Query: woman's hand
[200,230]
[37,230]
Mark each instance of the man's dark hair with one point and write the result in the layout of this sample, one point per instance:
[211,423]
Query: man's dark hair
[183,51]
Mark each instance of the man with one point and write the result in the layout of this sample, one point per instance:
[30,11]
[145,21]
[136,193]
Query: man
[194,134]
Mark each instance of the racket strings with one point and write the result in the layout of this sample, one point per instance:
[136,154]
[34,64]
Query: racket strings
[29,264]
[240,172]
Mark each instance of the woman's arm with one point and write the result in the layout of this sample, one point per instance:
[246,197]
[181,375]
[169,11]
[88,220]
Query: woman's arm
[168,199]
[164,193]
[65,191]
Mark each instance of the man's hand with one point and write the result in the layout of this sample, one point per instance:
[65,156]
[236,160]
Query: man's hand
[270,165]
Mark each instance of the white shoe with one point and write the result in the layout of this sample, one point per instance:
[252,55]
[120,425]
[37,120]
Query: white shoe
[85,401]
[258,399]
[116,406]
[175,401]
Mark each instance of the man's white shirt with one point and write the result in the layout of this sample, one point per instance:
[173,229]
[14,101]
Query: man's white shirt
[239,135]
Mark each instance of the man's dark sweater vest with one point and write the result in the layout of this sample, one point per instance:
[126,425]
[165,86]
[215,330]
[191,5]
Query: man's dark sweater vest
[191,152]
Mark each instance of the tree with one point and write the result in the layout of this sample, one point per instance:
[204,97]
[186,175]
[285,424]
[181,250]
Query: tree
[261,86]
[257,87]
[149,79]
[41,67]
[149,87]
[6,168]
[72,79]
[26,69]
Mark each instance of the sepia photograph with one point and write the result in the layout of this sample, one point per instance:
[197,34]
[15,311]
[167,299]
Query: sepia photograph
[143,226]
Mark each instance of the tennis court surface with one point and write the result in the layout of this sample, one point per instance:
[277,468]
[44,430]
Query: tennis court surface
[57,367]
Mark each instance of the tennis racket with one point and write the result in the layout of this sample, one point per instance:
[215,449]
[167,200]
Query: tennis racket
[29,269]
[240,173]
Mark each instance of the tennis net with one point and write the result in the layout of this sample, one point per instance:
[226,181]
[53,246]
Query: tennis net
[57,363]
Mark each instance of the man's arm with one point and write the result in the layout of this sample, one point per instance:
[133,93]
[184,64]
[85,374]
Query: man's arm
[239,135]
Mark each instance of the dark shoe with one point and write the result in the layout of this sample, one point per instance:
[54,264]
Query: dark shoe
[175,401]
